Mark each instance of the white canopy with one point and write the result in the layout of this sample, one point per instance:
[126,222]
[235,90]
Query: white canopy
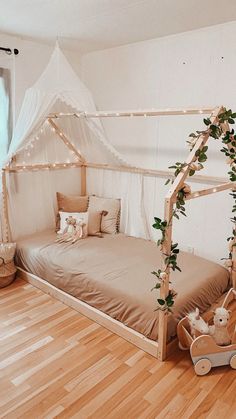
[32,203]
[59,89]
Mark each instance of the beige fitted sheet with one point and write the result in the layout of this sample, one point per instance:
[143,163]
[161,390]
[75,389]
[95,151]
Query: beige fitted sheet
[113,274]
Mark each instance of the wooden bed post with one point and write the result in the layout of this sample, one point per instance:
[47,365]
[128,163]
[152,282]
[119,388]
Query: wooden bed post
[83,180]
[233,269]
[5,218]
[166,246]
[164,290]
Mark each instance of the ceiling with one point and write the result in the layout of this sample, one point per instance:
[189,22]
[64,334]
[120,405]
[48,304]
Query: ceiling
[88,25]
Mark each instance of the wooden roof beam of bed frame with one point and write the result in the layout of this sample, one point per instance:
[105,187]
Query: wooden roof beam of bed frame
[155,173]
[65,140]
[131,113]
[209,191]
[43,166]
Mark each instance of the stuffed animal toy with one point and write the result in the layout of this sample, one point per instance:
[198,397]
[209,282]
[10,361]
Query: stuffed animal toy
[73,231]
[219,330]
[198,326]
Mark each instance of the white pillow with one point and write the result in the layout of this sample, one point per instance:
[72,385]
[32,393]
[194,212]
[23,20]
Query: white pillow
[79,216]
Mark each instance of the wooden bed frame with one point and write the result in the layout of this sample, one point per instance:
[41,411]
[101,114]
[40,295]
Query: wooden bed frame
[136,338]
[158,349]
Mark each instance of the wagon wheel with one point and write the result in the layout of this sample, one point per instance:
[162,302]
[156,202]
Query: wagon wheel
[202,367]
[233,362]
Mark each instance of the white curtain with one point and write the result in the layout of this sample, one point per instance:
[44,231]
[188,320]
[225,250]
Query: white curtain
[5,116]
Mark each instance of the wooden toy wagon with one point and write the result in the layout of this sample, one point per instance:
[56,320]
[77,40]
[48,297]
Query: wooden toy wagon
[205,353]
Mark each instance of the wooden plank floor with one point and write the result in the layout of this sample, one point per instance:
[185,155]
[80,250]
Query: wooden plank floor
[56,363]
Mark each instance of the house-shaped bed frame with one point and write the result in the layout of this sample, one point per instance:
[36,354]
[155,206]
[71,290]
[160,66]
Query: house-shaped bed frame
[157,349]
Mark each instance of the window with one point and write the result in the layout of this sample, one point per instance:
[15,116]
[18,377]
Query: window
[5,114]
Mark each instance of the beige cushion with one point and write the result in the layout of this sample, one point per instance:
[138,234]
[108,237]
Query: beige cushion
[70,203]
[112,206]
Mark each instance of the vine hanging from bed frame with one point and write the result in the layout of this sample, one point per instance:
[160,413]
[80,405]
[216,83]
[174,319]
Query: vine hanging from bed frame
[218,130]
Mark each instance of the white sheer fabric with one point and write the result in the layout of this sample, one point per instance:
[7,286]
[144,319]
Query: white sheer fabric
[57,88]
[32,195]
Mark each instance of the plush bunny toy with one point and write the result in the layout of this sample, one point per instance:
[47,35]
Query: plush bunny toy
[73,231]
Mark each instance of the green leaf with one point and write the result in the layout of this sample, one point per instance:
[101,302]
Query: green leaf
[161,302]
[202,158]
[168,181]
[156,287]
[231,121]
[207,121]
[191,172]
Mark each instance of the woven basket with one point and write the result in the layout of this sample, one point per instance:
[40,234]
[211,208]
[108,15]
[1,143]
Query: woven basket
[7,272]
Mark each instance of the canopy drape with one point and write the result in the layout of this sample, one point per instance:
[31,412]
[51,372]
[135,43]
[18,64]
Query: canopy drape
[31,196]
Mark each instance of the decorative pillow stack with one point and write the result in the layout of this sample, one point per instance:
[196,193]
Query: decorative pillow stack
[100,214]
[70,204]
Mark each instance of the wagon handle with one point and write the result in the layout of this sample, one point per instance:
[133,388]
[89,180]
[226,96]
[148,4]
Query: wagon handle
[3,261]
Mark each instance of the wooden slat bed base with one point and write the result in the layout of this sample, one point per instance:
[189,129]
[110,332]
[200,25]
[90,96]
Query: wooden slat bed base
[139,340]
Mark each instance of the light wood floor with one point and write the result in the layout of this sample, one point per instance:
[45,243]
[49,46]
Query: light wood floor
[56,363]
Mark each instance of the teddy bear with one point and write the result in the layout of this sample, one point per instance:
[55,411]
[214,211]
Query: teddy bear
[219,330]
[74,230]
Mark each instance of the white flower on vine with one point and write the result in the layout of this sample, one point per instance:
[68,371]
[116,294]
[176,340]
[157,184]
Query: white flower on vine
[229,161]
[163,276]
[196,166]
[186,189]
[228,263]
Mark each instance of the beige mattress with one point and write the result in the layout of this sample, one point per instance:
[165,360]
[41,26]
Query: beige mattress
[113,275]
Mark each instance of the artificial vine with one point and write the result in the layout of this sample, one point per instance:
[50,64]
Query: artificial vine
[219,130]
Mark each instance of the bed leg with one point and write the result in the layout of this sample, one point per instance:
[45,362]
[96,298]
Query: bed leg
[162,335]
[233,270]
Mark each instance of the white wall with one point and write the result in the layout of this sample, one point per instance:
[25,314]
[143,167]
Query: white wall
[191,69]
[28,65]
